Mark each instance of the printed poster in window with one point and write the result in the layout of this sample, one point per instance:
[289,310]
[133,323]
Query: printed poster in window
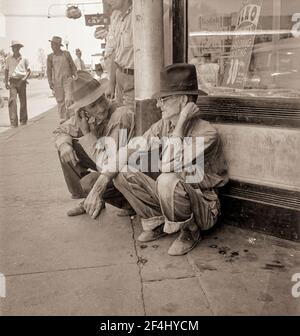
[238,62]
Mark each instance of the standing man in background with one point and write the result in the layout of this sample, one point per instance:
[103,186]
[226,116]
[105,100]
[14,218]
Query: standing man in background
[112,34]
[122,68]
[60,70]
[78,61]
[16,73]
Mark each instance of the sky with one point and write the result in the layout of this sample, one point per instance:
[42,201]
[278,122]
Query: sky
[27,22]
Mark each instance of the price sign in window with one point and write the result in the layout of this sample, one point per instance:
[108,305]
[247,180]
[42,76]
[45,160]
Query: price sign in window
[246,47]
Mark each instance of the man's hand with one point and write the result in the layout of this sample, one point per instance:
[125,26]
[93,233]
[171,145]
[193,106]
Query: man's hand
[7,86]
[82,122]
[93,203]
[189,111]
[69,102]
[68,154]
[24,80]
[110,92]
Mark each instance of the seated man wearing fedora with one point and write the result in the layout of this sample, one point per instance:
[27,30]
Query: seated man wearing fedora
[77,140]
[172,203]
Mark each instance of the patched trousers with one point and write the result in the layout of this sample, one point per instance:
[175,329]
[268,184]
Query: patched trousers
[165,201]
[60,94]
[80,180]
[17,88]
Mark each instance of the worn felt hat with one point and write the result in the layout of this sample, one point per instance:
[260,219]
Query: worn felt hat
[86,90]
[16,43]
[179,79]
[57,40]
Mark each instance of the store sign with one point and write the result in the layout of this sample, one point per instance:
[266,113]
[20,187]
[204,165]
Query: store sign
[211,43]
[242,44]
[96,20]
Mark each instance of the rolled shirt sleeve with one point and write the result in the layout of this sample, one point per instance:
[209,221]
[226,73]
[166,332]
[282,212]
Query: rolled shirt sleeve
[180,154]
[65,132]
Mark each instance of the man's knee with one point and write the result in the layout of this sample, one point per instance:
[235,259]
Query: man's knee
[88,181]
[166,184]
[121,179]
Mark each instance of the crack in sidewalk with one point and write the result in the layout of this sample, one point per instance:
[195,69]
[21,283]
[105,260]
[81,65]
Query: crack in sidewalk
[197,276]
[64,270]
[175,278]
[139,267]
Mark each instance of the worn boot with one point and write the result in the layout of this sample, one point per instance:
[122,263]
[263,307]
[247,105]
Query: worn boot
[185,242]
[126,212]
[148,236]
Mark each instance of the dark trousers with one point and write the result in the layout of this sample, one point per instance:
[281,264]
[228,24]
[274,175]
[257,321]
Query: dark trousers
[17,88]
[80,181]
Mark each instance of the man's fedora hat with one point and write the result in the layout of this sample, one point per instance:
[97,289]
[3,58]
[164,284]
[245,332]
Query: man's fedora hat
[16,43]
[57,40]
[86,90]
[179,79]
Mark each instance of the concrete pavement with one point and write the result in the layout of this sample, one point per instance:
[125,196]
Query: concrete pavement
[56,265]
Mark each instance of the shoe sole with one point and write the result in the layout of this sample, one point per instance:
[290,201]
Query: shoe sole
[153,239]
[76,214]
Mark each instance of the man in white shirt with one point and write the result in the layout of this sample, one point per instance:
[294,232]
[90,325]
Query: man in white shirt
[16,73]
[78,61]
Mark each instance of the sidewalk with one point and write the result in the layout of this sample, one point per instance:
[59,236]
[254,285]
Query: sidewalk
[38,101]
[56,265]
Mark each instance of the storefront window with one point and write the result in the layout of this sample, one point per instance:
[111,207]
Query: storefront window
[246,48]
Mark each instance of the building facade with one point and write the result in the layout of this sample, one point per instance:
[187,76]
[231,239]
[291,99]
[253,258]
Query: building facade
[247,58]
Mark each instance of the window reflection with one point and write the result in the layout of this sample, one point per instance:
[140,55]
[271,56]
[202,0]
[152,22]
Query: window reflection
[247,48]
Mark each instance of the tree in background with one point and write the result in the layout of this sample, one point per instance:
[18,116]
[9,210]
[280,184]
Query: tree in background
[3,56]
[42,61]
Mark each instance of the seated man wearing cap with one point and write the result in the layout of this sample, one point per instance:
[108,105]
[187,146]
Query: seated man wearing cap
[173,202]
[81,154]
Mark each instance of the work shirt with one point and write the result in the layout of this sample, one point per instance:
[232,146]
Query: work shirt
[215,173]
[215,170]
[119,118]
[60,69]
[113,33]
[17,67]
[124,56]
[80,64]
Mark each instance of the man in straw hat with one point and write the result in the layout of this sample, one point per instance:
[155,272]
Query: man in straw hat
[60,70]
[81,153]
[177,200]
[16,73]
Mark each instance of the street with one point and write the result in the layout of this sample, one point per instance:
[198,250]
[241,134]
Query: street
[38,101]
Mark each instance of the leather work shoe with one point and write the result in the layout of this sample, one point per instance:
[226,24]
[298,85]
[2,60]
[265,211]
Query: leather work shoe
[185,242]
[79,210]
[77,197]
[126,212]
[148,236]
